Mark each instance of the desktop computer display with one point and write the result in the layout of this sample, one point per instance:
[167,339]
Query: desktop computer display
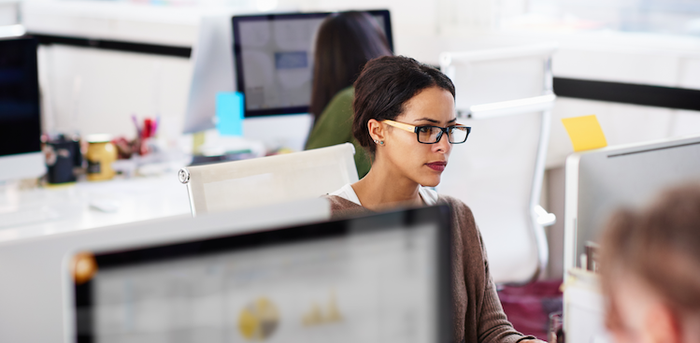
[274,59]
[269,58]
[20,125]
[380,278]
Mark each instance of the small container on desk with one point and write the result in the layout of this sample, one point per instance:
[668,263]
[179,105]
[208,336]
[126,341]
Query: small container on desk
[62,156]
[101,153]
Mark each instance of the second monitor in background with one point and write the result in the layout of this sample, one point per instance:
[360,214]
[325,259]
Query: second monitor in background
[274,59]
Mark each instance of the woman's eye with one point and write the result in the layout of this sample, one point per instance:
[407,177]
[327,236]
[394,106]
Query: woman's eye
[424,129]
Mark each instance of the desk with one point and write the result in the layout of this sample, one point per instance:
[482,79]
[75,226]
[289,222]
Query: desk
[70,208]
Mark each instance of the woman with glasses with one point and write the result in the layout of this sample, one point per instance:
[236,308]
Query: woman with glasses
[345,42]
[405,119]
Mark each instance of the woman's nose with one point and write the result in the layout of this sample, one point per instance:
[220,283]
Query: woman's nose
[443,145]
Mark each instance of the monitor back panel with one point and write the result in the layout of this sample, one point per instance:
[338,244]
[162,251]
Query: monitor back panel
[599,182]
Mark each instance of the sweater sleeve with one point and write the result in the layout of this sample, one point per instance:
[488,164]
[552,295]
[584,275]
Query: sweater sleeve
[485,320]
[334,126]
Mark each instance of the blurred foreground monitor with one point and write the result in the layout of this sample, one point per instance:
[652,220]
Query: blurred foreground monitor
[380,278]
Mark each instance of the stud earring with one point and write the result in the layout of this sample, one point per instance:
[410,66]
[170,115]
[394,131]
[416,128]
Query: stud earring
[381,143]
[376,141]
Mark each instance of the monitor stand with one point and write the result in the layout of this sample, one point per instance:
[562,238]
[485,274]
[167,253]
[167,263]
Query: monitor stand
[22,166]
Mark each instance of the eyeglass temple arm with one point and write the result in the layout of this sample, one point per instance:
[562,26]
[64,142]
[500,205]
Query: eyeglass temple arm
[402,126]
[412,128]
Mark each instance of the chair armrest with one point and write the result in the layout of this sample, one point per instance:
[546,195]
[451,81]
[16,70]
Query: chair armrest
[544,218]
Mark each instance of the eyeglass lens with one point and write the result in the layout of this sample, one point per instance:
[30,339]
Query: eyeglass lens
[431,134]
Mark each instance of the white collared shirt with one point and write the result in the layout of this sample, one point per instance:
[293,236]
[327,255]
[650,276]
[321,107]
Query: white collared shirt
[346,192]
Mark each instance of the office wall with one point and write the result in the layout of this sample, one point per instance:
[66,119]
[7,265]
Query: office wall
[92,91]
[636,59]
[9,13]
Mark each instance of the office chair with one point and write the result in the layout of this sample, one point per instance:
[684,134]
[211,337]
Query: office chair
[268,180]
[505,95]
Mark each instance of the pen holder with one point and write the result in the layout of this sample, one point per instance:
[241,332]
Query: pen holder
[60,158]
[100,155]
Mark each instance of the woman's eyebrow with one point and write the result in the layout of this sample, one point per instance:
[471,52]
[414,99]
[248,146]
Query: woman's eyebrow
[427,119]
[434,121]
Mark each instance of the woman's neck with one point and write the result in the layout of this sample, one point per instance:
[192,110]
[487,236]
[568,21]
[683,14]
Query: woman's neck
[381,189]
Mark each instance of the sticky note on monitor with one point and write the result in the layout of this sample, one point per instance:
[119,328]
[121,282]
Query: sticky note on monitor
[229,113]
[585,132]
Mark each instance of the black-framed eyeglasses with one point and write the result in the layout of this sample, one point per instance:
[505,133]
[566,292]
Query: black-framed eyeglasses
[429,134]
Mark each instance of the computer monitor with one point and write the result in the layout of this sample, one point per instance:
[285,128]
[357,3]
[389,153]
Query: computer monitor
[273,55]
[600,181]
[20,123]
[379,278]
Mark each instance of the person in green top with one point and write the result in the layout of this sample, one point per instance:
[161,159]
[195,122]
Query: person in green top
[345,42]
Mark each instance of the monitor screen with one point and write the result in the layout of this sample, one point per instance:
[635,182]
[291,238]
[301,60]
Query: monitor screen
[274,59]
[20,125]
[381,278]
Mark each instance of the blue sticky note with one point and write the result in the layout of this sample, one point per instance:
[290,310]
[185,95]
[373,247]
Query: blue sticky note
[229,113]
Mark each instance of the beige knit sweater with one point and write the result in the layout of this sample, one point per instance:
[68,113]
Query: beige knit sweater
[478,315]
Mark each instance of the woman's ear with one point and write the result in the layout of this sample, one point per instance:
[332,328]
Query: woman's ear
[376,130]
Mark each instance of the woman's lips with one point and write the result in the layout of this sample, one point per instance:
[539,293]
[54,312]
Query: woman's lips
[437,166]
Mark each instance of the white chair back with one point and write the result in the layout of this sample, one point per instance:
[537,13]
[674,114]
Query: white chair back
[499,75]
[505,96]
[268,180]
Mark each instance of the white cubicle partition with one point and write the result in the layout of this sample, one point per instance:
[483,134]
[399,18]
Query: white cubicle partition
[600,181]
[34,294]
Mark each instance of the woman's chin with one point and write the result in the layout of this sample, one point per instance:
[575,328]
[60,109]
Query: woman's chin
[431,181]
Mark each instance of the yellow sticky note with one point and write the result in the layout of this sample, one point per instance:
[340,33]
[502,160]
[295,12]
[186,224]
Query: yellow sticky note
[585,132]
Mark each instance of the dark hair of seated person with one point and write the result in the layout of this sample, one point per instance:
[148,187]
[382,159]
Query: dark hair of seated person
[384,87]
[345,42]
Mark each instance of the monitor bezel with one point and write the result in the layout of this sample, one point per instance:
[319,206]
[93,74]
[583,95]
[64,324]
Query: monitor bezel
[403,219]
[238,64]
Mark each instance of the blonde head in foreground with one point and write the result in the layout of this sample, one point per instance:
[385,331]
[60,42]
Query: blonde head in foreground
[650,265]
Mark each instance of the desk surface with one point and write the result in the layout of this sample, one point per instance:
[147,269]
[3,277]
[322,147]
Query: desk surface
[72,207]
